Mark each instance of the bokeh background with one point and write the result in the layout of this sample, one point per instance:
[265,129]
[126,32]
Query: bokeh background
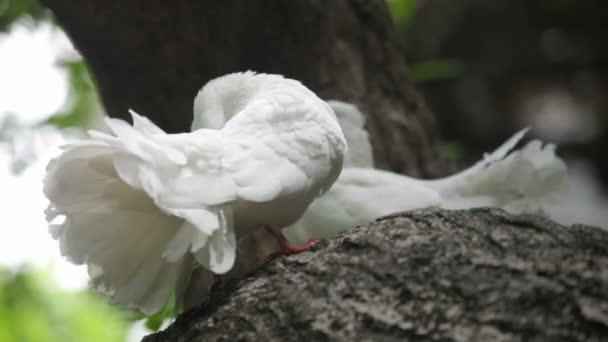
[486,68]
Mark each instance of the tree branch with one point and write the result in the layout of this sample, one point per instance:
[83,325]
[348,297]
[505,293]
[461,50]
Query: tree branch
[436,275]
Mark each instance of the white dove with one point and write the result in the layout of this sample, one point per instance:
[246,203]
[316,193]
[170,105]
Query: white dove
[527,180]
[520,181]
[141,207]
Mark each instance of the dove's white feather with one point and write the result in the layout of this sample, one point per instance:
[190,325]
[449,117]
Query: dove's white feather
[104,220]
[144,208]
[159,164]
[359,196]
[526,180]
[521,181]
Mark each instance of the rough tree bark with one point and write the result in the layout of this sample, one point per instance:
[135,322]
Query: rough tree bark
[153,56]
[428,275]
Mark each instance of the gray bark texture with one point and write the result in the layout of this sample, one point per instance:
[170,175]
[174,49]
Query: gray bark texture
[154,55]
[426,275]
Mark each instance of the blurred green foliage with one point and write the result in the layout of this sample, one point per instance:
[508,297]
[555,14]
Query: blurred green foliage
[404,13]
[12,10]
[452,152]
[83,101]
[33,308]
[155,321]
[435,70]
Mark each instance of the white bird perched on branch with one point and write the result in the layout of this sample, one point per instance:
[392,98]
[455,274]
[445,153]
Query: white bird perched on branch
[141,274]
[527,180]
[142,207]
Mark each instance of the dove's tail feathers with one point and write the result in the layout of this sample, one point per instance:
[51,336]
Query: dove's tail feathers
[143,139]
[175,170]
[521,181]
[146,158]
[135,249]
[112,228]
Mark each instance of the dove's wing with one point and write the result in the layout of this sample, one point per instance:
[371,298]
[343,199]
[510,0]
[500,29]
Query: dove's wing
[350,118]
[297,133]
[278,147]
[352,121]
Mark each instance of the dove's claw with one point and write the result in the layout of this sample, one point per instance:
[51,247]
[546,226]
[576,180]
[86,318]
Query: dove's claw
[288,248]
[285,247]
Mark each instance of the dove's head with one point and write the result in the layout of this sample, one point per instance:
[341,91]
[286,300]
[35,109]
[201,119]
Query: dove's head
[221,98]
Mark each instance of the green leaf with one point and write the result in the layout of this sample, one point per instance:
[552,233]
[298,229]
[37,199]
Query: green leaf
[435,70]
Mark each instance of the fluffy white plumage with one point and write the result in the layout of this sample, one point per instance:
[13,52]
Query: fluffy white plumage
[527,180]
[143,208]
[521,181]
[137,215]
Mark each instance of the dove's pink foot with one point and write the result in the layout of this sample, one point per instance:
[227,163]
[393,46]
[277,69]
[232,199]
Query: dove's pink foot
[285,247]
[288,248]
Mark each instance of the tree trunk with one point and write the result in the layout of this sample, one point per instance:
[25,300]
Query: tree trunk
[427,275]
[153,57]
